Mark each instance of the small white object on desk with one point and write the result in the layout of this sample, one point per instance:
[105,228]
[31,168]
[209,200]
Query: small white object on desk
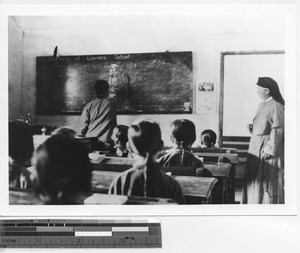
[95,157]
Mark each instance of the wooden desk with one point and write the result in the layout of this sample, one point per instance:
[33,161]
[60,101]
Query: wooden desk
[228,156]
[23,197]
[118,164]
[197,190]
[105,199]
[219,170]
[222,172]
[101,180]
[214,156]
[213,153]
[17,197]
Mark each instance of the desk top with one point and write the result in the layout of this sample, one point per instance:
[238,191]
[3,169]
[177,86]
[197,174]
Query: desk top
[233,158]
[105,199]
[191,186]
[120,164]
[23,198]
[118,160]
[196,186]
[30,198]
[230,153]
[101,180]
[218,170]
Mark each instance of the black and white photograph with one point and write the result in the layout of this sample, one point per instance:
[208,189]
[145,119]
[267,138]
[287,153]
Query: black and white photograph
[112,110]
[178,113]
[102,109]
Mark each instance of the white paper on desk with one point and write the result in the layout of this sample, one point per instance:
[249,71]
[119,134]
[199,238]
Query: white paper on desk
[96,157]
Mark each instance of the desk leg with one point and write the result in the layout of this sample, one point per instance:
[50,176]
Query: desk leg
[224,191]
[231,185]
[219,193]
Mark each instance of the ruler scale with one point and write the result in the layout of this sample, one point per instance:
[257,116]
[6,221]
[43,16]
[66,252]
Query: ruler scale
[60,233]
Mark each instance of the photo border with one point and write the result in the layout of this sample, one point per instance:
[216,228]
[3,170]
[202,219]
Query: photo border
[290,206]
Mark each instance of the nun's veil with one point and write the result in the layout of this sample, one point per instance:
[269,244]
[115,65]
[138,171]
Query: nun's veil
[269,83]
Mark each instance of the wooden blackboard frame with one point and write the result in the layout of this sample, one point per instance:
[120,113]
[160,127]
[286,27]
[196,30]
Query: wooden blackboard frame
[168,57]
[222,78]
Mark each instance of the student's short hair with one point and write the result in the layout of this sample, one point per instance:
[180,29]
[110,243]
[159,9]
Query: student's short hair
[208,137]
[20,141]
[184,131]
[122,134]
[145,135]
[64,132]
[63,166]
[101,87]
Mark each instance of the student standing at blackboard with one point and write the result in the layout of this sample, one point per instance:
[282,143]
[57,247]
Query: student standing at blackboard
[265,166]
[98,118]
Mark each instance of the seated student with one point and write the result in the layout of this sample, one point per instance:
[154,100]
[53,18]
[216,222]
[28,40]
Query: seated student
[20,152]
[183,135]
[145,178]
[63,170]
[208,139]
[120,139]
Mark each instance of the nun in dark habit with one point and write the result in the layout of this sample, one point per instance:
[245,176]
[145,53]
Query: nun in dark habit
[264,175]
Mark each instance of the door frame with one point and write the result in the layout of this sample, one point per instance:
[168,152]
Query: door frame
[222,66]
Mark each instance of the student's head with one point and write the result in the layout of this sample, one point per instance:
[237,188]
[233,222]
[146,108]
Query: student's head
[63,168]
[64,132]
[101,88]
[144,137]
[208,138]
[119,135]
[20,141]
[183,132]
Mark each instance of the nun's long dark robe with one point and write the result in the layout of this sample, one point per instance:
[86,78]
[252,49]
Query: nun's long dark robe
[264,178]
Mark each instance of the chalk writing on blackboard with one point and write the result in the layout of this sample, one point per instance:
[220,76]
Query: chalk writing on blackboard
[160,82]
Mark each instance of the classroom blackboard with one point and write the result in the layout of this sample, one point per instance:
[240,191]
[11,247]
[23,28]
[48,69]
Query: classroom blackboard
[160,82]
